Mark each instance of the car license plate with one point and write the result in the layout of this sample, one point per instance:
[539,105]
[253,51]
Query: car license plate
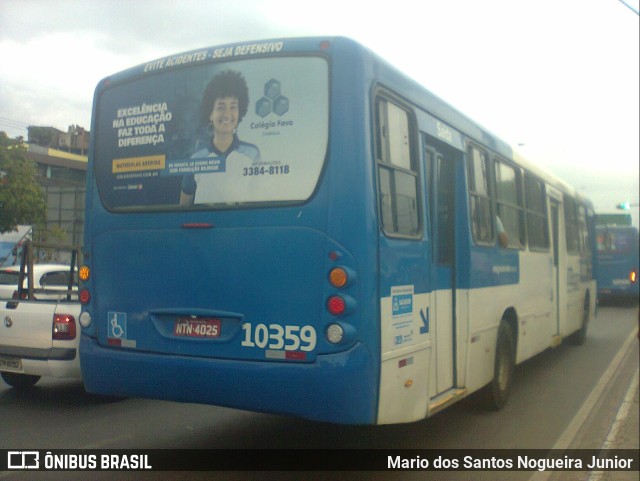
[197,327]
[10,363]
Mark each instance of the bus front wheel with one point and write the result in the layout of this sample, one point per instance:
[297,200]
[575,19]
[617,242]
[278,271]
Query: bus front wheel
[498,391]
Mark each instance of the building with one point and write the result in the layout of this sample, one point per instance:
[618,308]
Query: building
[75,140]
[61,165]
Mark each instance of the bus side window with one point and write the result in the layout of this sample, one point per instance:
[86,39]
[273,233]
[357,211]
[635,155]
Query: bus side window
[571,227]
[585,240]
[510,212]
[479,196]
[397,171]
[536,205]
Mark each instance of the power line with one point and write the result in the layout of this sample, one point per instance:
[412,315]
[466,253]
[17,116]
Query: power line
[13,123]
[17,122]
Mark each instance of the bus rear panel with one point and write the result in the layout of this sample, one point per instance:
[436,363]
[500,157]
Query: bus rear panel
[227,299]
[617,263]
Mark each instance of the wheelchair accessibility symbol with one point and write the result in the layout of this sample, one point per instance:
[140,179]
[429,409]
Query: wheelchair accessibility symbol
[117,325]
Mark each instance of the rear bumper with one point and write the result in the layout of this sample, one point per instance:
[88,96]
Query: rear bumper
[54,362]
[338,388]
[54,353]
[620,292]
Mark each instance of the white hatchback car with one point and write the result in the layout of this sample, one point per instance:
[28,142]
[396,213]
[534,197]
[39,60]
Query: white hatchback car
[50,281]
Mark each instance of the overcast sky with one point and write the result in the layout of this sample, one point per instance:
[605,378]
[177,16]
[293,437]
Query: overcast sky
[558,76]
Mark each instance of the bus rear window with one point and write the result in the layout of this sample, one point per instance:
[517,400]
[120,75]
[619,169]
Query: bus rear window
[615,241]
[214,135]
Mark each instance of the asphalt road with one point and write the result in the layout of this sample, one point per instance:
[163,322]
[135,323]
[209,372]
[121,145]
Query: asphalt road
[566,397]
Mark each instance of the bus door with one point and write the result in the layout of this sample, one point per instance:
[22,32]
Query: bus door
[554,206]
[440,169]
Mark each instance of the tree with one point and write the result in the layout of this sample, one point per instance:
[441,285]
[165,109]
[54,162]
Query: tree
[21,198]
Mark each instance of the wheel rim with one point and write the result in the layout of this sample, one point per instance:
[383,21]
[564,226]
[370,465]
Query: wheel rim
[504,366]
[503,371]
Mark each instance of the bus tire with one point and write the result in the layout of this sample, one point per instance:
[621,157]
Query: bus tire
[497,392]
[579,337]
[19,381]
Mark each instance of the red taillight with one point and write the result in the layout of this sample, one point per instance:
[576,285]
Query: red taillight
[84,296]
[336,305]
[64,327]
[16,296]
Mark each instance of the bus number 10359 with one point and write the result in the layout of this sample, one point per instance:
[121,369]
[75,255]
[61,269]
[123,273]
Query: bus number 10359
[275,336]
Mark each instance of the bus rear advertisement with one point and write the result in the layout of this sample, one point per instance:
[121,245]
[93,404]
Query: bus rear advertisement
[294,226]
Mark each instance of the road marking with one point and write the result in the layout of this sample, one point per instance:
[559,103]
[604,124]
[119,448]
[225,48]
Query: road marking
[623,413]
[567,437]
[621,419]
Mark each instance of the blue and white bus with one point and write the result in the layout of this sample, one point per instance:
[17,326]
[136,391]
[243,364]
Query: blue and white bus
[294,226]
[617,260]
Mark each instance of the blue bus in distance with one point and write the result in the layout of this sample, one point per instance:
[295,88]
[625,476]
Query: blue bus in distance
[617,262]
[294,226]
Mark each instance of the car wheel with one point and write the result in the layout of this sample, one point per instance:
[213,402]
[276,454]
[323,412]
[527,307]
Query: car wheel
[19,381]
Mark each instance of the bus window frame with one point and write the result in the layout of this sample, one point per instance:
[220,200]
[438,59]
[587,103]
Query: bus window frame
[471,193]
[383,163]
[584,233]
[519,207]
[108,84]
[544,215]
[571,225]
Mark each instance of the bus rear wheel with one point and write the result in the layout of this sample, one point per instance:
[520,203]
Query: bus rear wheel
[579,337]
[19,381]
[499,389]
